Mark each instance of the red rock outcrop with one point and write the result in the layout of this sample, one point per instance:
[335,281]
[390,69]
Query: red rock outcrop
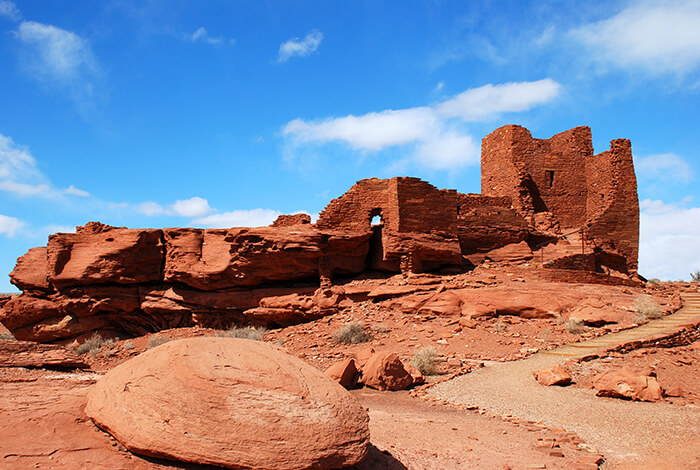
[549,204]
[385,371]
[640,385]
[555,375]
[233,403]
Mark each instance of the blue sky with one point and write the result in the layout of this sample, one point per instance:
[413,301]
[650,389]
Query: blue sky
[227,113]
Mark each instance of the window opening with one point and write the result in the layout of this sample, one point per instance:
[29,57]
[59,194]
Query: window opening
[550,177]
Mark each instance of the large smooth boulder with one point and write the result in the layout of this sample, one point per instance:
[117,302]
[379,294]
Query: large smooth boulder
[230,402]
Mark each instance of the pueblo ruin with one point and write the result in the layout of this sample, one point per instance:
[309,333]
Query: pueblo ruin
[549,206]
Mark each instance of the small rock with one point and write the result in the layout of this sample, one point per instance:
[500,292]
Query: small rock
[557,375]
[344,372]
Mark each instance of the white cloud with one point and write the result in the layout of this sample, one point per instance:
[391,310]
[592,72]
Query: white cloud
[665,166]
[73,191]
[9,10]
[193,207]
[657,36]
[300,47]
[150,208]
[9,225]
[238,218]
[447,151]
[56,54]
[669,245]
[202,35]
[16,162]
[439,143]
[23,189]
[478,104]
[371,131]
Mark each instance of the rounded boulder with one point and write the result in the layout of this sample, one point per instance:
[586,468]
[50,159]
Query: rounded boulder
[230,402]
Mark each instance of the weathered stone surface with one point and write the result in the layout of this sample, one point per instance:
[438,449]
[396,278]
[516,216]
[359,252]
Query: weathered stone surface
[546,203]
[246,257]
[33,355]
[556,375]
[117,255]
[639,385]
[30,272]
[344,372]
[230,402]
[385,371]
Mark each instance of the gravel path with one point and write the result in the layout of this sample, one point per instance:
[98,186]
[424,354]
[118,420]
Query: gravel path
[619,429]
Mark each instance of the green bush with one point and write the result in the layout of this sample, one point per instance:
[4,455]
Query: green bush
[352,333]
[425,360]
[93,344]
[245,332]
[695,277]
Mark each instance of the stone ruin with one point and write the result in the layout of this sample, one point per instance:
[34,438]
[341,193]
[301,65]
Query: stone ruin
[549,204]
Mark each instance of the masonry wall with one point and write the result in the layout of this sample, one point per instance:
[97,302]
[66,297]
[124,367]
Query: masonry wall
[424,208]
[540,175]
[614,221]
[488,222]
[355,209]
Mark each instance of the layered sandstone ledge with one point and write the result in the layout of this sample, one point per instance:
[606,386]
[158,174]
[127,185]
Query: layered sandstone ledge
[548,204]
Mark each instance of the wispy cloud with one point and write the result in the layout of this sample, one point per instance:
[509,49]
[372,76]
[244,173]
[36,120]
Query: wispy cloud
[19,174]
[192,207]
[296,47]
[73,191]
[59,59]
[238,218]
[435,130]
[9,10]
[202,35]
[665,167]
[659,37]
[669,242]
[10,225]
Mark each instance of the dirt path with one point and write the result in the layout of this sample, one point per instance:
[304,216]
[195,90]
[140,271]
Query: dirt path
[629,434]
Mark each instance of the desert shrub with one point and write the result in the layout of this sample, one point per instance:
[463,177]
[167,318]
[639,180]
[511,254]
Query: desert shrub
[654,280]
[245,332]
[93,344]
[380,328]
[7,336]
[128,346]
[695,277]
[352,333]
[157,340]
[425,360]
[574,326]
[645,308]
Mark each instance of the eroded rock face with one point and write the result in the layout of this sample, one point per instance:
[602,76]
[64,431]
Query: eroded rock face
[546,204]
[230,402]
[634,384]
[385,371]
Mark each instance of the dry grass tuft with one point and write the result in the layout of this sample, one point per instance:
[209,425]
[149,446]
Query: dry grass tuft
[425,360]
[156,341]
[93,344]
[245,332]
[7,336]
[646,308]
[352,333]
[574,326]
